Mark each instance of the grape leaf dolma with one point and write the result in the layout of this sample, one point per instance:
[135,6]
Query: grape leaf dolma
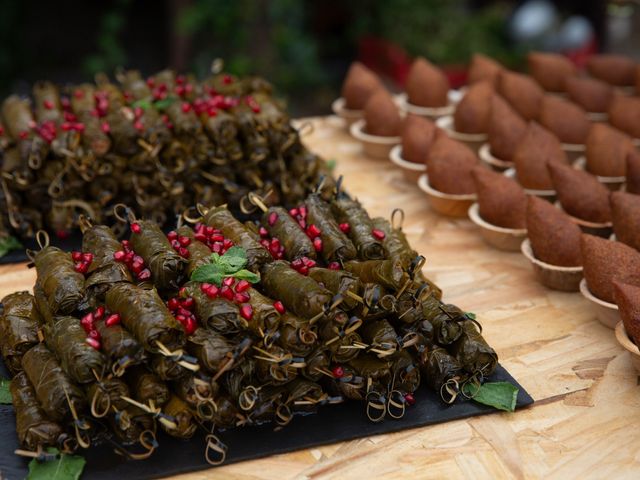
[153,246]
[210,348]
[32,424]
[146,386]
[218,314]
[51,384]
[119,345]
[447,324]
[388,273]
[282,226]
[266,319]
[67,339]
[306,301]
[103,271]
[473,352]
[316,364]
[167,368]
[184,418]
[144,314]
[336,245]
[199,253]
[351,212]
[108,393]
[63,287]
[380,335]
[18,328]
[338,282]
[222,219]
[296,335]
[406,373]
[438,367]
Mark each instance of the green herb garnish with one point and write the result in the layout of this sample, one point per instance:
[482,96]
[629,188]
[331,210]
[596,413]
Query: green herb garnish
[500,395]
[8,244]
[231,264]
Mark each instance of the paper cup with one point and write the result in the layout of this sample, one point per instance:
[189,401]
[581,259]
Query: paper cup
[549,195]
[349,116]
[446,204]
[507,239]
[606,312]
[612,183]
[374,146]
[484,152]
[473,140]
[565,279]
[411,170]
[428,112]
[628,345]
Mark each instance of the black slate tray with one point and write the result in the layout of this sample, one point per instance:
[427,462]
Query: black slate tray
[335,423]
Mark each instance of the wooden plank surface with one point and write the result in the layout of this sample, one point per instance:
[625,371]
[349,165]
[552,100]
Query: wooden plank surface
[586,419]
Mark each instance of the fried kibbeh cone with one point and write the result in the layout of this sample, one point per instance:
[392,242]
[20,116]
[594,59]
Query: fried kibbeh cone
[381,115]
[617,70]
[606,151]
[427,85]
[624,114]
[501,201]
[605,261]
[473,113]
[550,70]
[522,93]
[565,119]
[449,165]
[627,297]
[590,93]
[418,134]
[580,193]
[483,68]
[555,239]
[359,84]
[506,129]
[625,211]
[537,148]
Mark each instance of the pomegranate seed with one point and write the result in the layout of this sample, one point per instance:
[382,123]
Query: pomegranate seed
[184,312]
[303,223]
[181,318]
[296,264]
[303,211]
[128,258]
[87,322]
[105,127]
[246,311]
[48,104]
[87,257]
[409,399]
[263,232]
[273,218]
[304,270]
[113,319]
[279,306]
[185,107]
[265,243]
[137,266]
[204,286]
[337,372]
[144,274]
[190,326]
[78,127]
[200,237]
[227,79]
[172,235]
[216,237]
[317,244]
[78,94]
[184,241]
[228,281]
[333,266]
[138,258]
[212,291]
[182,292]
[135,228]
[227,244]
[274,245]
[23,135]
[210,230]
[226,292]
[294,212]
[138,125]
[242,286]
[378,234]
[99,312]
[94,334]
[76,256]
[173,304]
[345,227]
[81,267]
[93,343]
[126,244]
[188,303]
[183,252]
[307,262]
[175,244]
[313,231]
[216,248]
[241,297]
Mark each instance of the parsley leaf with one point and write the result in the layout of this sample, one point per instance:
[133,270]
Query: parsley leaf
[5,394]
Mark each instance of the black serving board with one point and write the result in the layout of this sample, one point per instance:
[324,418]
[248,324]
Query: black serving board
[334,423]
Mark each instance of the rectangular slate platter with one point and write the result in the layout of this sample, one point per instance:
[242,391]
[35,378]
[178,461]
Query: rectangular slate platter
[334,423]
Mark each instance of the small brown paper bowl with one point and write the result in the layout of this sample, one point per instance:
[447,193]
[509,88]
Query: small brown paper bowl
[473,140]
[411,170]
[349,116]
[428,112]
[628,345]
[603,229]
[507,239]
[455,96]
[446,203]
[573,151]
[565,279]
[484,152]
[549,195]
[612,183]
[606,312]
[374,146]
[598,117]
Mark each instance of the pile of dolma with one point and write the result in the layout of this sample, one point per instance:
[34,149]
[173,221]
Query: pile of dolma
[159,145]
[340,311]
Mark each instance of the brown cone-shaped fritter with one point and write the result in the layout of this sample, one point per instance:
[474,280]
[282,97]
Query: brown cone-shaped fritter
[627,297]
[633,172]
[580,193]
[359,84]
[427,85]
[506,129]
[554,237]
[473,112]
[418,134]
[590,93]
[522,93]
[483,68]
[614,69]
[550,70]
[537,148]
[606,260]
[381,115]
[565,119]
[624,114]
[638,79]
[449,165]
[607,150]
[625,211]
[501,201]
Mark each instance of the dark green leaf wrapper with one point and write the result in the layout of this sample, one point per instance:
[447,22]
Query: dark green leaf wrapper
[199,253]
[119,344]
[295,241]
[18,328]
[146,386]
[338,282]
[210,348]
[350,211]
[336,245]
[184,418]
[63,287]
[388,273]
[473,352]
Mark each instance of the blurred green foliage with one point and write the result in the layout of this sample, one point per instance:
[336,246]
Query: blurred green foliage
[110,53]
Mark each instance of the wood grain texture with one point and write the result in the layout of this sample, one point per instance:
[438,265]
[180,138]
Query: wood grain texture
[587,412]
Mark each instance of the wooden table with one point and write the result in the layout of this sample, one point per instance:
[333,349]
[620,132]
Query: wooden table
[586,419]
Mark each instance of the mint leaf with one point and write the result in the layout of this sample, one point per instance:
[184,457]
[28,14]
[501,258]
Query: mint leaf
[64,467]
[5,394]
[215,258]
[235,259]
[142,103]
[247,275]
[500,395]
[7,244]
[164,103]
[470,315]
[331,164]
[208,273]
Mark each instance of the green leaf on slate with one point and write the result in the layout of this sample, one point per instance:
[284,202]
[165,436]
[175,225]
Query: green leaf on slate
[5,394]
[8,244]
[500,395]
[63,467]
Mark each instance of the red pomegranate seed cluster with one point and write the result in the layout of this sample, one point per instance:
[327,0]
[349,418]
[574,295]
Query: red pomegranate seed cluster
[82,261]
[303,264]
[88,322]
[182,310]
[212,238]
[134,262]
[409,398]
[182,87]
[300,215]
[236,292]
[345,227]
[312,230]
[252,103]
[272,244]
[179,243]
[334,266]
[102,104]
[378,234]
[337,371]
